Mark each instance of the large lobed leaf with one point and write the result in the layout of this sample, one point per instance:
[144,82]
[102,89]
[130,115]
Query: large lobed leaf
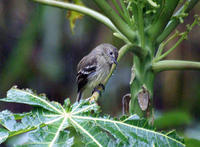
[50,124]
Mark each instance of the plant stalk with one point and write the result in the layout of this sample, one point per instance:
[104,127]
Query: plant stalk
[116,19]
[167,11]
[175,65]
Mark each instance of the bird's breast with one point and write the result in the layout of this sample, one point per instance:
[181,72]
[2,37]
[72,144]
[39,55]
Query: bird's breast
[99,76]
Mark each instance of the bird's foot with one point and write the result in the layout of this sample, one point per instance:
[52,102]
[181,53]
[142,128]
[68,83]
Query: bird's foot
[96,90]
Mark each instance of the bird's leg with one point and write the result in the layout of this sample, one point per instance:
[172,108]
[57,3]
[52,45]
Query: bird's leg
[97,89]
[94,96]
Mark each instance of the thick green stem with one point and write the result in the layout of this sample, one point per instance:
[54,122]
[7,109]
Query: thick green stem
[175,65]
[143,77]
[118,22]
[174,22]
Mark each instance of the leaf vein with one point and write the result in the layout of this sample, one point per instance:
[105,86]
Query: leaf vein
[86,132]
[122,123]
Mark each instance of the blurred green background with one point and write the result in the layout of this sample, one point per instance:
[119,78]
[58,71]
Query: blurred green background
[39,51]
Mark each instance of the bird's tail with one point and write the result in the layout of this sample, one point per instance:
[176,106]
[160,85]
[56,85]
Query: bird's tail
[79,96]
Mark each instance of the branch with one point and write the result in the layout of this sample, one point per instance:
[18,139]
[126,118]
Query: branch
[84,10]
[183,37]
[116,19]
[164,43]
[170,50]
[174,22]
[175,65]
[122,52]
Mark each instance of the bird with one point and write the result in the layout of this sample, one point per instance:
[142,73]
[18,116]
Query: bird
[95,67]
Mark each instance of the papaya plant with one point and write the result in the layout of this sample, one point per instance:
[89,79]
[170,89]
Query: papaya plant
[145,27]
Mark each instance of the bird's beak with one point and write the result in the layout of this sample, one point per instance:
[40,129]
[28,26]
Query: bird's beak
[114,60]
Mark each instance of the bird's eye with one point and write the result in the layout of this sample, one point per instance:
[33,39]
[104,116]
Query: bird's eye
[111,53]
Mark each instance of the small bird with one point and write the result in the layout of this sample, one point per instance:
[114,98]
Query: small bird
[95,67]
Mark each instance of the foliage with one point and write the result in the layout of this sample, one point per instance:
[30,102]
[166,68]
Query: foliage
[51,124]
[143,25]
[192,142]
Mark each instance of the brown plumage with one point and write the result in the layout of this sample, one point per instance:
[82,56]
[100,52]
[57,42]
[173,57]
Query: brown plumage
[94,67]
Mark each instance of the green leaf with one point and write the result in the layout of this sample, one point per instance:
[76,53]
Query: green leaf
[38,120]
[7,120]
[3,135]
[119,133]
[192,142]
[29,97]
[46,127]
[73,15]
[172,119]
[50,135]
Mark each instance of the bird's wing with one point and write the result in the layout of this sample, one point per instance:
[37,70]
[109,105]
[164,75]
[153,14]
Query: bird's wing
[86,67]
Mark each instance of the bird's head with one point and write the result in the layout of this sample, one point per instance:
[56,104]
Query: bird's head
[110,52]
